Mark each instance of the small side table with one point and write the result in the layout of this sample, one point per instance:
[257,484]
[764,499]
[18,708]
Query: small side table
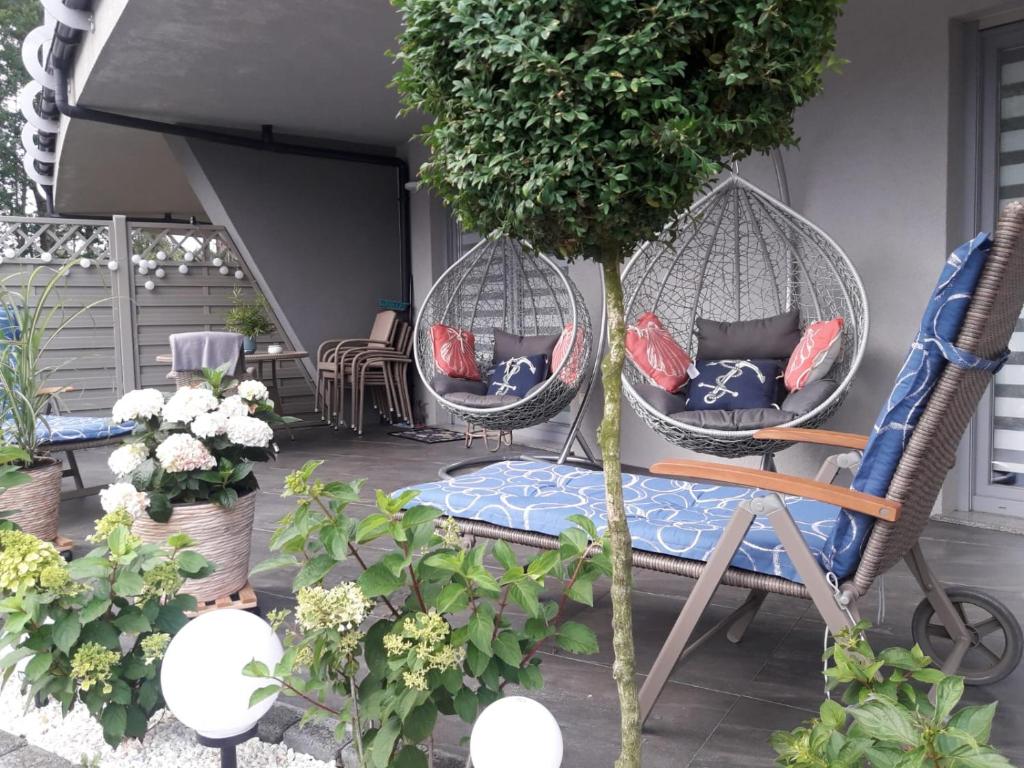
[261,359]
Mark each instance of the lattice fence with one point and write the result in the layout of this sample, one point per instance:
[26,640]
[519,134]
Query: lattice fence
[169,278]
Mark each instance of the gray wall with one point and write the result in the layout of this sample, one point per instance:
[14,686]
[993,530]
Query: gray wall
[877,168]
[322,234]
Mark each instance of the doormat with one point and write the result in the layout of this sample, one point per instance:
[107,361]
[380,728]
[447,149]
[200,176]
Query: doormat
[430,435]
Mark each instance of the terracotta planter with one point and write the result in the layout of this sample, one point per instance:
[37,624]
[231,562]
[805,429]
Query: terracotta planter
[222,536]
[37,502]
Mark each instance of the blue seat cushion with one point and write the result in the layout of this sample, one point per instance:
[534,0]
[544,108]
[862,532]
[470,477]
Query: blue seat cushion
[670,517]
[69,429]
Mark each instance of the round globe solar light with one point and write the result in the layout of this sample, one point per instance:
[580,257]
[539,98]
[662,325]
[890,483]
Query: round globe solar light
[515,732]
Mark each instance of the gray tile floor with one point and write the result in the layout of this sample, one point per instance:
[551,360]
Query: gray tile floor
[721,706]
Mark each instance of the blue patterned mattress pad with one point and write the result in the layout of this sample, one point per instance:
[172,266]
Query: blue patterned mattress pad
[670,517]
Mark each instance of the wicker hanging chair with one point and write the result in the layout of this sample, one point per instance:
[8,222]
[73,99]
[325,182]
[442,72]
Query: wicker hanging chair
[740,254]
[506,285]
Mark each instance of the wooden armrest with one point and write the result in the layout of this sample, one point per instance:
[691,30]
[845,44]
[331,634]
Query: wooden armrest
[815,436]
[57,390]
[748,477]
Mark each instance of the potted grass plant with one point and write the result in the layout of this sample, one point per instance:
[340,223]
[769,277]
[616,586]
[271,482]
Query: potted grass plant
[188,468]
[31,317]
[249,318]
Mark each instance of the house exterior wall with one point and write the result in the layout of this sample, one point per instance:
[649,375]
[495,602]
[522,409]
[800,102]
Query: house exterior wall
[323,235]
[880,167]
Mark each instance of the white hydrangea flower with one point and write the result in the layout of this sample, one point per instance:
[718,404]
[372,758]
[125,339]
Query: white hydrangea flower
[138,404]
[209,424]
[124,496]
[183,453]
[187,403]
[250,432]
[253,391]
[233,407]
[127,459]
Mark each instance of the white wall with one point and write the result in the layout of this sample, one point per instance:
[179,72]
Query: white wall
[323,235]
[876,168]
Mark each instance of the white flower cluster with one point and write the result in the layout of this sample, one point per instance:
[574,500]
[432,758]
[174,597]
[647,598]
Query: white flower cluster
[233,406]
[127,459]
[124,497]
[188,403]
[253,391]
[139,404]
[250,432]
[183,453]
[211,424]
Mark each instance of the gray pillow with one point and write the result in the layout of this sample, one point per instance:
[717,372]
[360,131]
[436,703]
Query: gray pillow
[509,345]
[743,419]
[446,385]
[767,337]
[481,401]
[659,399]
[810,397]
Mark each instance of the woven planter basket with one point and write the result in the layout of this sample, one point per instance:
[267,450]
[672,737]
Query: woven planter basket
[222,536]
[37,502]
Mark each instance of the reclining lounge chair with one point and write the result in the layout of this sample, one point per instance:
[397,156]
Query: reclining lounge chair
[773,533]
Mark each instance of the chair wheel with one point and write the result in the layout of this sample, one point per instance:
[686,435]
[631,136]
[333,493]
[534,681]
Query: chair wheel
[996,641]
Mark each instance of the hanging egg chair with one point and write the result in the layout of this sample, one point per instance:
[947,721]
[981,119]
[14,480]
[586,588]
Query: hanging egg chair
[505,286]
[739,254]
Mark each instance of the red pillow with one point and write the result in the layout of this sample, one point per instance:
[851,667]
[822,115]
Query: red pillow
[657,354]
[455,352]
[571,373]
[816,353]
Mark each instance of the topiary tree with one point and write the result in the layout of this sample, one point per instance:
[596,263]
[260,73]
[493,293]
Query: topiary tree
[584,126]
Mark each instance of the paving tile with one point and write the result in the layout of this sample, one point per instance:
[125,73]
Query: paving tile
[9,742]
[742,737]
[32,757]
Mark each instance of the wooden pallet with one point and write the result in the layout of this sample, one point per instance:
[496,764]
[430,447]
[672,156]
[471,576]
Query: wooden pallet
[64,546]
[244,599]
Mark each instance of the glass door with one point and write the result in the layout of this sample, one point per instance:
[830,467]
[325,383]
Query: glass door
[998,462]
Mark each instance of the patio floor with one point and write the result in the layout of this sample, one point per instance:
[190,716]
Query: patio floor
[721,706]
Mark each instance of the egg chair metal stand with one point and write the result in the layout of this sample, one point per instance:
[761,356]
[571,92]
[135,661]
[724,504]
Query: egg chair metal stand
[740,254]
[507,285]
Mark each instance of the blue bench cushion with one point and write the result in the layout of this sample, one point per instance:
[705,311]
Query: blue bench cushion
[69,429]
[669,517]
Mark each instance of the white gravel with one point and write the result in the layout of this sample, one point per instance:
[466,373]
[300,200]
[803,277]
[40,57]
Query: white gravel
[79,739]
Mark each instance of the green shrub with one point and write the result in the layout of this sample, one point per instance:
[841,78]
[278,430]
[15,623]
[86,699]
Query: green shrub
[94,631]
[896,711]
[446,644]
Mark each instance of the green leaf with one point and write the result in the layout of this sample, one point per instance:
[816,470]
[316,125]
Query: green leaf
[976,720]
[379,750]
[66,632]
[419,515]
[887,722]
[129,584]
[335,541]
[114,721]
[576,638]
[453,598]
[466,705]
[89,568]
[263,693]
[476,660]
[372,527]
[103,633]
[256,668]
[419,723]
[481,628]
[180,541]
[582,591]
[273,563]
[525,594]
[832,714]
[94,609]
[947,693]
[503,554]
[136,722]
[314,571]
[149,694]
[506,648]
[530,677]
[410,757]
[191,562]
[132,622]
[38,666]
[160,508]
[379,580]
[119,539]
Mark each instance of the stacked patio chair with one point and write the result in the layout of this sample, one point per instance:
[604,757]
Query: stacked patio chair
[385,373]
[333,360]
[774,533]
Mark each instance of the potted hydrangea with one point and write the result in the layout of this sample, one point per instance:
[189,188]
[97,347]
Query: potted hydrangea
[188,467]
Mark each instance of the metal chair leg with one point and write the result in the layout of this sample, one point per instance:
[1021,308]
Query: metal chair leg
[744,615]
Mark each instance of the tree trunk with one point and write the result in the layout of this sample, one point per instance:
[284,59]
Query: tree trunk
[624,668]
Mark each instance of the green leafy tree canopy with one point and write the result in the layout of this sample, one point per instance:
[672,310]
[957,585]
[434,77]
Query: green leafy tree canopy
[582,126]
